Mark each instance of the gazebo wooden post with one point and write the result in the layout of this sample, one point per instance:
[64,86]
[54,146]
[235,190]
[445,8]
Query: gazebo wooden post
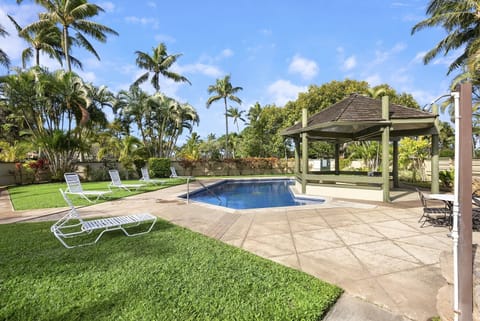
[435,162]
[385,150]
[395,164]
[304,151]
[337,158]
[297,157]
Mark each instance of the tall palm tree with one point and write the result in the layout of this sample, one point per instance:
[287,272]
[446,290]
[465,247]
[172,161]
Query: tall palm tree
[461,20]
[74,15]
[158,64]
[236,115]
[4,60]
[183,116]
[46,39]
[131,105]
[224,90]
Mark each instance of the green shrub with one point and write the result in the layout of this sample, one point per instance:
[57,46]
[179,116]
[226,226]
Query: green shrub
[447,177]
[159,167]
[447,153]
[139,164]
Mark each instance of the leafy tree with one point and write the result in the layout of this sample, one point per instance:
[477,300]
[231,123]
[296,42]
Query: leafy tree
[236,115]
[368,151]
[14,152]
[54,108]
[261,137]
[461,21]
[321,97]
[73,15]
[191,149]
[412,154]
[157,64]
[126,150]
[4,60]
[46,39]
[223,90]
[210,148]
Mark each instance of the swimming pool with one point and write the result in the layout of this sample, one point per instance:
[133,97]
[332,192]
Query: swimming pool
[248,194]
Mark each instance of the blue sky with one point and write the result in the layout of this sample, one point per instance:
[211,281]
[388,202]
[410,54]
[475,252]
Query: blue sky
[273,49]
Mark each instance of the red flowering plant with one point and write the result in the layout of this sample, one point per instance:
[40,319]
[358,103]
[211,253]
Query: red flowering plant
[35,168]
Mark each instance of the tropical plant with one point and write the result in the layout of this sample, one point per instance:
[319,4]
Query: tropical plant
[46,39]
[224,90]
[4,60]
[131,106]
[126,150]
[14,152]
[55,110]
[236,115]
[461,21]
[158,64]
[412,155]
[367,151]
[73,15]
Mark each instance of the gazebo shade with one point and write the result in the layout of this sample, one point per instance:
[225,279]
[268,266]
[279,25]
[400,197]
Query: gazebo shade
[358,117]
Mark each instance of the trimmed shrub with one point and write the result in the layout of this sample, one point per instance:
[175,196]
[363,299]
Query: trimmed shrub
[159,167]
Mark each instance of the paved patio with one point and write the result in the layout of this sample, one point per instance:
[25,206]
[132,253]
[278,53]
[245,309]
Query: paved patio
[375,252]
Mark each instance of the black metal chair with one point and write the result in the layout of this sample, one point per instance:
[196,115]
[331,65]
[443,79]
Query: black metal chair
[434,215]
[476,210]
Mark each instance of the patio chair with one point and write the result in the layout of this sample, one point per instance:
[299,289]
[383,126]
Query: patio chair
[476,209]
[434,215]
[74,186]
[174,174]
[146,177]
[116,182]
[72,225]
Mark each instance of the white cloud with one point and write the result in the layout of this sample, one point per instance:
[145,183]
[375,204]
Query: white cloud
[207,70]
[306,68]
[88,76]
[383,55]
[374,80]
[144,21]
[266,32]
[165,38]
[349,63]
[419,57]
[107,6]
[226,53]
[283,91]
[151,4]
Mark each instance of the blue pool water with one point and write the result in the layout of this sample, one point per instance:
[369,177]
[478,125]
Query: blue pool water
[248,194]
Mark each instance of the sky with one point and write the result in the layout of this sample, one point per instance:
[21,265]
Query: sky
[273,49]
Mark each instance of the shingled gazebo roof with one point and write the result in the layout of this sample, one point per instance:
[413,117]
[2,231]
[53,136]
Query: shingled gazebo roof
[358,117]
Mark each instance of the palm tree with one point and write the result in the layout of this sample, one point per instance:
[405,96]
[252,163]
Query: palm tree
[224,90]
[4,60]
[158,64]
[46,39]
[461,20]
[236,115]
[73,14]
[131,105]
[183,116]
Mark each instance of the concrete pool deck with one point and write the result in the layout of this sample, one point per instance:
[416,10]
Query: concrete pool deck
[375,252]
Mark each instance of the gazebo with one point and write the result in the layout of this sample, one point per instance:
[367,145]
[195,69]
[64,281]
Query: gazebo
[360,118]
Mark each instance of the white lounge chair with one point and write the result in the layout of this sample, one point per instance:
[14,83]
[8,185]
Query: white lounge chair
[146,178]
[74,186]
[72,225]
[174,174]
[117,182]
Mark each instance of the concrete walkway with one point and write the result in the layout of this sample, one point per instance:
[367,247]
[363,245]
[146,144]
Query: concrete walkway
[377,253]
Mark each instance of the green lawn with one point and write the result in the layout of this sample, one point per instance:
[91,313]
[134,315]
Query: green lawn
[169,274]
[35,196]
